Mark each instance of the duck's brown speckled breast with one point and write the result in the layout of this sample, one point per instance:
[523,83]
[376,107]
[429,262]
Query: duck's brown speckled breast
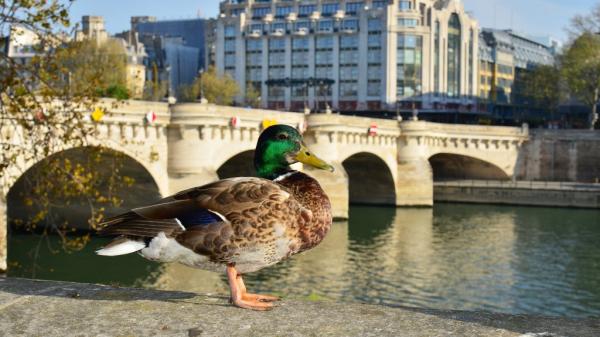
[310,194]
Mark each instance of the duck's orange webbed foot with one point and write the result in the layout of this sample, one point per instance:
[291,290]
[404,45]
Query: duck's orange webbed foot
[241,298]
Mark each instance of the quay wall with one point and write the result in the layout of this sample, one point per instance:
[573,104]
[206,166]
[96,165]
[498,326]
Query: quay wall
[560,155]
[558,194]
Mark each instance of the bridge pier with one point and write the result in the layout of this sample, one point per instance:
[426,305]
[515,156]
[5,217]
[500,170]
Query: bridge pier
[414,183]
[336,186]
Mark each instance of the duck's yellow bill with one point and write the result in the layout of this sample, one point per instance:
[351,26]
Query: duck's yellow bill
[306,157]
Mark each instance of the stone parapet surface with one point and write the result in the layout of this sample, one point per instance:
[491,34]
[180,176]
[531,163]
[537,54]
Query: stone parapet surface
[48,308]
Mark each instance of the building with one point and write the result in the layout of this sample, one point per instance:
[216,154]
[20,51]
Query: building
[181,43]
[504,59]
[373,55]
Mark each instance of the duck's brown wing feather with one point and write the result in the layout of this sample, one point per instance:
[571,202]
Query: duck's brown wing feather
[236,203]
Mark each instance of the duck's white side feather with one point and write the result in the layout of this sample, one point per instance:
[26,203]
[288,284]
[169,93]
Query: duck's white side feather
[125,247]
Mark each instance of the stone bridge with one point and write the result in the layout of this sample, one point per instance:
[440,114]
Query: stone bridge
[192,144]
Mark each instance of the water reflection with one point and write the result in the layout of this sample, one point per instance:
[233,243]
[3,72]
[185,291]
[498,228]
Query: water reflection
[507,259]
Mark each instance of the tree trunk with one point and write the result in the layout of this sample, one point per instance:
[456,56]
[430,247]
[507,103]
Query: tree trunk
[594,115]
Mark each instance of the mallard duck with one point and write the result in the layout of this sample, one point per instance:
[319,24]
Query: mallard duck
[236,225]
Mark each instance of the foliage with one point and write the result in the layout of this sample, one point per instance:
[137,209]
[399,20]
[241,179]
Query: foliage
[220,90]
[252,97]
[585,23]
[155,90]
[91,65]
[45,102]
[62,188]
[543,85]
[581,69]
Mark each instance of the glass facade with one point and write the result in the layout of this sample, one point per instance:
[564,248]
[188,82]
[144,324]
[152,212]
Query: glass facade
[409,65]
[454,44]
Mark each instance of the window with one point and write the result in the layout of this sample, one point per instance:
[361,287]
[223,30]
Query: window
[326,25]
[405,5]
[407,22]
[276,59]
[299,72]
[379,4]
[254,45]
[373,88]
[454,44]
[409,67]
[229,60]
[300,43]
[253,59]
[330,9]
[374,40]
[374,25]
[260,12]
[281,12]
[353,7]
[325,42]
[348,57]
[306,10]
[229,31]
[277,44]
[350,25]
[374,56]
[374,73]
[348,89]
[302,24]
[277,25]
[436,59]
[324,57]
[349,42]
[324,71]
[229,46]
[300,58]
[237,11]
[254,74]
[276,73]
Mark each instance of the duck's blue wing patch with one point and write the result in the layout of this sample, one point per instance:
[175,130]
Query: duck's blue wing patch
[198,217]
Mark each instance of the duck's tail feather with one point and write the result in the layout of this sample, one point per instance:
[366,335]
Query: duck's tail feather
[121,246]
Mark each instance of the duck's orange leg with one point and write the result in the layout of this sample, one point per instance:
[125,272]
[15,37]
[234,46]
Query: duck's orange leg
[239,297]
[248,296]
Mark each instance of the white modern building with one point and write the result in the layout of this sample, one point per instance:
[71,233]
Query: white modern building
[354,55]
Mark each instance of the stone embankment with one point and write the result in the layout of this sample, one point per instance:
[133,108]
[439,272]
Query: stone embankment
[529,193]
[45,308]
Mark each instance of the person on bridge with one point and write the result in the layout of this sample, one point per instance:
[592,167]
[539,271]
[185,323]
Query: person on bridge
[235,225]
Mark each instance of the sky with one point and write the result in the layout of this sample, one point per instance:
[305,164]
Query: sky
[534,17]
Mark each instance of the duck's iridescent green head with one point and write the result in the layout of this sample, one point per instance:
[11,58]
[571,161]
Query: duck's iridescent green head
[278,147]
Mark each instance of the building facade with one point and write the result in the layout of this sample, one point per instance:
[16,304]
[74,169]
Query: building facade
[505,57]
[373,55]
[176,47]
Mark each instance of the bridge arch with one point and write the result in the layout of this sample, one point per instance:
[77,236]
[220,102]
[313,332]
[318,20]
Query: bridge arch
[370,180]
[449,166]
[75,208]
[240,165]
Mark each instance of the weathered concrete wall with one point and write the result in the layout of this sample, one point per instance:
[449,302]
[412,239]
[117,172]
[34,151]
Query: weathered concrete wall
[560,155]
[519,193]
[73,309]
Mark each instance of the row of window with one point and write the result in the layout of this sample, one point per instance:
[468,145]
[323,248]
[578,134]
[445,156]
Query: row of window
[321,42]
[327,9]
[373,25]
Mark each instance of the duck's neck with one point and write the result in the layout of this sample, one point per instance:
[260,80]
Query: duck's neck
[270,169]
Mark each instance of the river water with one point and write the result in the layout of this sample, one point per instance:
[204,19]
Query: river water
[519,260]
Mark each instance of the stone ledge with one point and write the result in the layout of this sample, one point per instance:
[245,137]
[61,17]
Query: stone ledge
[48,308]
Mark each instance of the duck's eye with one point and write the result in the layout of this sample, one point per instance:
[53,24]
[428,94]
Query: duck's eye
[282,136]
